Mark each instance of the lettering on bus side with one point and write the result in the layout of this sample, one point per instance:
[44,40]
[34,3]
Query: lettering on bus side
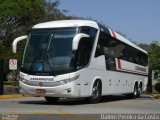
[140,68]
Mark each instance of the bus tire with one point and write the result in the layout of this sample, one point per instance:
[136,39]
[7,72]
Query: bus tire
[139,90]
[51,99]
[96,92]
[134,93]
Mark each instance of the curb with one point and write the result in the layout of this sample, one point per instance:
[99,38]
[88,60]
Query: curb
[156,96]
[13,96]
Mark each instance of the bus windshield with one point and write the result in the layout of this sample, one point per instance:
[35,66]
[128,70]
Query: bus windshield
[49,51]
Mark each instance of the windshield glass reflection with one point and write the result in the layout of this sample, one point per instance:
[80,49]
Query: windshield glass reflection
[49,50]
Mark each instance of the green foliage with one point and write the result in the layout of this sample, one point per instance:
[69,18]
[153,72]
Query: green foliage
[153,50]
[17,18]
[2,49]
[154,56]
[144,46]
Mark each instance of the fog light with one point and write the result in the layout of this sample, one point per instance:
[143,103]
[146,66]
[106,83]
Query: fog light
[69,90]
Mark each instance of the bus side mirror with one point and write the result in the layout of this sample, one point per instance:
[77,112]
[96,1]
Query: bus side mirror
[14,44]
[77,39]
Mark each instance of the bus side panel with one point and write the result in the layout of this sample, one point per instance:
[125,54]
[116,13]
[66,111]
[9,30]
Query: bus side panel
[117,82]
[122,83]
[83,83]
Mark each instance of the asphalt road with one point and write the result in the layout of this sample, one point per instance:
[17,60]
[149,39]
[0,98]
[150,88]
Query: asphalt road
[38,107]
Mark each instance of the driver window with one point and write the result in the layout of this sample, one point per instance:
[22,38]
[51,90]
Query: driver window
[84,52]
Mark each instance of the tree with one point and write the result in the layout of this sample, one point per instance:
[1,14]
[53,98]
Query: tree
[154,56]
[153,50]
[53,13]
[144,46]
[18,16]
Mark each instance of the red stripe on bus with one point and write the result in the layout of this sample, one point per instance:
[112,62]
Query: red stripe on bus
[131,71]
[113,33]
[119,64]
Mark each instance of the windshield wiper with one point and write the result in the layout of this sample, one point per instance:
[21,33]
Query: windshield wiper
[52,36]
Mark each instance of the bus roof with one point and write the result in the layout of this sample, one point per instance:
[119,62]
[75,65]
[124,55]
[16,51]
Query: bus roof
[123,39]
[78,23]
[66,23]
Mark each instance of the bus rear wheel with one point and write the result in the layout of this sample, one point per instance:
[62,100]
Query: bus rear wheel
[96,92]
[139,91]
[135,92]
[51,99]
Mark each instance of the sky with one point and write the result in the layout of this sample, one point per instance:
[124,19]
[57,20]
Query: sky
[139,20]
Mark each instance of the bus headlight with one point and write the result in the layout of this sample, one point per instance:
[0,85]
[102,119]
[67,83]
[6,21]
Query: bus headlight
[23,80]
[49,84]
[65,81]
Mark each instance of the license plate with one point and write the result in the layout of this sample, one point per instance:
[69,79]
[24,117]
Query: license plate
[40,92]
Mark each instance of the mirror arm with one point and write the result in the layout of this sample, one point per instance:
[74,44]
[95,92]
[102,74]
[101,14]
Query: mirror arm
[76,40]
[14,44]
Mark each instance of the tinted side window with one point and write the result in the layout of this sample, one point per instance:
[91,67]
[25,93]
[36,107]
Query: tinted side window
[102,42]
[113,48]
[84,52]
[107,46]
[130,54]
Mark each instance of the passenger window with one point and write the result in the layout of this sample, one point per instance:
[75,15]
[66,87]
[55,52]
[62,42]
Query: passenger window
[107,47]
[113,48]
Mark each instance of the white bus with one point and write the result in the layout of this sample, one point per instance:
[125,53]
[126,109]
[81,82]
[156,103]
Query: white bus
[80,58]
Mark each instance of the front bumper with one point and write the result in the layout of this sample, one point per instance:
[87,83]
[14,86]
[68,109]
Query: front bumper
[66,90]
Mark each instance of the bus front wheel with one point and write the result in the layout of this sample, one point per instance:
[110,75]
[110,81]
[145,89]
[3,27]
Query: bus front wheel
[96,92]
[51,99]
